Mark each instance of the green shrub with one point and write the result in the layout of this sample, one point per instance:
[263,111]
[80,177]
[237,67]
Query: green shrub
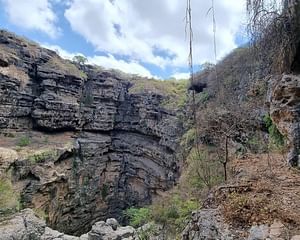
[138,216]
[24,141]
[202,97]
[276,138]
[172,213]
[80,59]
[42,156]
[204,169]
[83,75]
[188,138]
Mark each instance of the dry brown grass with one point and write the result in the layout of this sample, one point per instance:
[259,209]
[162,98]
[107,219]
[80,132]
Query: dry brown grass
[8,197]
[16,73]
[245,210]
[274,192]
[174,91]
[8,55]
[65,67]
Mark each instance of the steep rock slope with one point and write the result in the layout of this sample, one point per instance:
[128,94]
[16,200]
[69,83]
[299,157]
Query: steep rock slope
[109,149]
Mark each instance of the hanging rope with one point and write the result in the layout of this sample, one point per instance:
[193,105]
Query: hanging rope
[189,33]
[215,33]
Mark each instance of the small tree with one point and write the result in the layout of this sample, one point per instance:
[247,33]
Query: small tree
[203,168]
[222,125]
[80,59]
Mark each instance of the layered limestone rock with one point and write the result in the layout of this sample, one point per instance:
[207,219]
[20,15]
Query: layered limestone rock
[121,150]
[284,102]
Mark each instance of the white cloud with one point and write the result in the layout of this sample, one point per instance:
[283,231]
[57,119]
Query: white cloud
[181,76]
[108,62]
[60,51]
[33,15]
[153,31]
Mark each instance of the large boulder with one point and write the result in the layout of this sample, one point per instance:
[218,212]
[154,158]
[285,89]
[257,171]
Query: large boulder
[27,226]
[207,224]
[23,226]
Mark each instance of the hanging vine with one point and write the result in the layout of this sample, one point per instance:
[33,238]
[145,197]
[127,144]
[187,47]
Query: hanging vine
[189,33]
[215,33]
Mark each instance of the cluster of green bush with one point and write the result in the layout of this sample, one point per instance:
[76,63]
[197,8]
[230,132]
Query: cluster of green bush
[172,214]
[277,140]
[188,139]
[204,168]
[202,97]
[42,156]
[23,141]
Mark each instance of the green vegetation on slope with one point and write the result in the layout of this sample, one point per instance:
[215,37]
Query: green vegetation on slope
[172,213]
[42,155]
[8,197]
[174,91]
[66,67]
[276,138]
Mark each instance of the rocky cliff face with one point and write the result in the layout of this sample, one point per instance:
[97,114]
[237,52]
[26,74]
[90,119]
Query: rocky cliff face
[109,149]
[284,100]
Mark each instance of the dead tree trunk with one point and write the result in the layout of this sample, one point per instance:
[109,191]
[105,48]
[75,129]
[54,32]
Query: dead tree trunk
[226,158]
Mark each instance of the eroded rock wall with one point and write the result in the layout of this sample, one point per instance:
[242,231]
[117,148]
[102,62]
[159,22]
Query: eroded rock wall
[284,103]
[123,147]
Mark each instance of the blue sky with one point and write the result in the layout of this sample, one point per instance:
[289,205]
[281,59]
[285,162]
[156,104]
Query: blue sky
[136,36]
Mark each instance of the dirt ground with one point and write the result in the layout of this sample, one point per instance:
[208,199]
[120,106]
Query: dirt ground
[262,189]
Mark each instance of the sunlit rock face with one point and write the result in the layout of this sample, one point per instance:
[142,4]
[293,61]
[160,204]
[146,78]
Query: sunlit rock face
[112,149]
[285,112]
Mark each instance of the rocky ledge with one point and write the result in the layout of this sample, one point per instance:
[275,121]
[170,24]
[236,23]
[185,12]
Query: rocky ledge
[121,147]
[209,224]
[25,225]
